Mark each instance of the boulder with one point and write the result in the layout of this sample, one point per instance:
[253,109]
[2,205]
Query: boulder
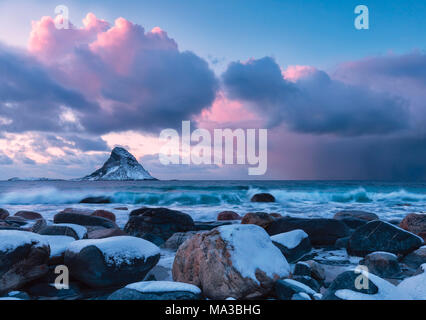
[99,199]
[157,290]
[382,236]
[83,220]
[65,229]
[58,246]
[157,224]
[261,219]
[317,270]
[104,214]
[383,264]
[106,233]
[78,211]
[354,218]
[263,197]
[415,223]
[302,269]
[236,261]
[112,261]
[416,258]
[38,225]
[310,282]
[176,240]
[348,280]
[293,244]
[285,289]
[23,258]
[228,215]
[321,232]
[121,208]
[16,221]
[342,243]
[3,214]
[28,215]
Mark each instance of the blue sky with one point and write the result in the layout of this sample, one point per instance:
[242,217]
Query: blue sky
[307,32]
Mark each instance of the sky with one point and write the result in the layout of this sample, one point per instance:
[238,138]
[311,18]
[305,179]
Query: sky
[338,102]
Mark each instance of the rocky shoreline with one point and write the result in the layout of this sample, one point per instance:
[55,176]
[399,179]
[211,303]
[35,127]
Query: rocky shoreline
[164,254]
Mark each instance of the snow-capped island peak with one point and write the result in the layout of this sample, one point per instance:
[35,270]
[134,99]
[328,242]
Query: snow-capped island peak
[121,166]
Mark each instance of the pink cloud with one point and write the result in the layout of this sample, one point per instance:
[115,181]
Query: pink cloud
[294,73]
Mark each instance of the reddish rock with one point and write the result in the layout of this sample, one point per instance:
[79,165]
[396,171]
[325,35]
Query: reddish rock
[261,219]
[228,215]
[28,215]
[106,233]
[218,262]
[104,214]
[3,214]
[415,223]
[275,215]
[77,211]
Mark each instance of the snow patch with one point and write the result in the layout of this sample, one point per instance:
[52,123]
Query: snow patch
[415,286]
[163,286]
[58,244]
[81,231]
[251,249]
[12,239]
[118,250]
[290,239]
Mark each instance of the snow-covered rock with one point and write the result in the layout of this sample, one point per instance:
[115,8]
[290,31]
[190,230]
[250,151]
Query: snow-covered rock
[58,244]
[23,258]
[65,229]
[287,288]
[237,261]
[293,244]
[121,166]
[157,290]
[415,286]
[111,261]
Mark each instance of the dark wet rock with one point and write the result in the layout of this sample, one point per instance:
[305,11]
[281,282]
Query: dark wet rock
[228,215]
[111,261]
[261,219]
[310,282]
[77,211]
[285,289]
[302,269]
[293,244]
[106,233]
[38,225]
[263,197]
[382,264]
[121,208]
[415,223]
[347,280]
[157,224]
[77,232]
[3,214]
[342,243]
[416,258]
[355,218]
[23,258]
[206,226]
[321,232]
[83,220]
[317,270]
[99,199]
[104,214]
[157,290]
[175,241]
[28,215]
[16,221]
[382,236]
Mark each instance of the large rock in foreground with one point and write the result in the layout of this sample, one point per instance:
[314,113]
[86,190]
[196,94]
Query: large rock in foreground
[321,232]
[237,261]
[382,236]
[157,290]
[23,258]
[111,261]
[415,223]
[157,224]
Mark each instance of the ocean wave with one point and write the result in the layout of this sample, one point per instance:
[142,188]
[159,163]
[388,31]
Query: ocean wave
[213,197]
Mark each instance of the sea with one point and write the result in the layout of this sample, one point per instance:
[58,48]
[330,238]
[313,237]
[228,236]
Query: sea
[204,200]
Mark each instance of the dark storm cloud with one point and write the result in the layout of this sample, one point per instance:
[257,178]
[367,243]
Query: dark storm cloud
[30,99]
[315,103]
